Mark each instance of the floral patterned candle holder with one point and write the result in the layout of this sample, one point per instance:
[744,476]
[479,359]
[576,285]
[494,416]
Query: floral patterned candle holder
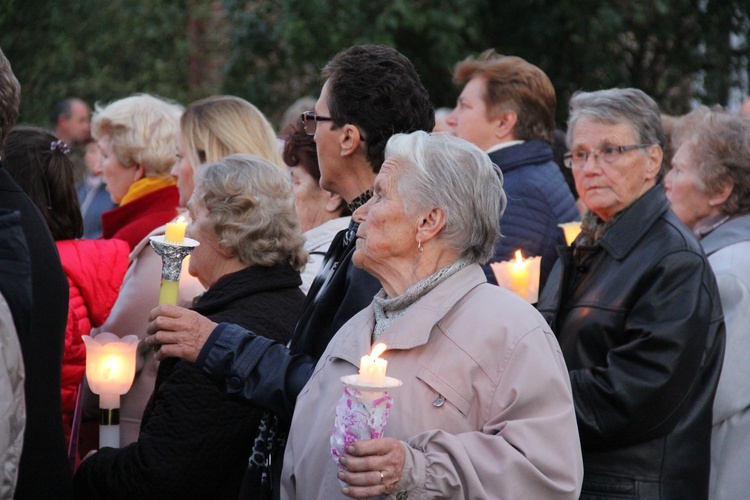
[362,412]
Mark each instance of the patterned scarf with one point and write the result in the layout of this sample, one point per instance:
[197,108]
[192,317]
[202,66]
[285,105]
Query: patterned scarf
[359,200]
[388,309]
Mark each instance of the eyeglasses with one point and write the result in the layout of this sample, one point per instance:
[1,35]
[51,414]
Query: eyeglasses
[606,153]
[310,121]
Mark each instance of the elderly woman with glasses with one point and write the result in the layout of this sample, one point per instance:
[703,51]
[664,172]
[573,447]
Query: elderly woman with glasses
[635,307]
[485,409]
[709,189]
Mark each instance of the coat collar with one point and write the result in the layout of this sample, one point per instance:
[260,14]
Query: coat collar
[731,232]
[248,281]
[634,223]
[533,152]
[413,328]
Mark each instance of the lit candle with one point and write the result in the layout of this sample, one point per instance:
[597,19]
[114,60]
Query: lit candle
[571,230]
[175,231]
[372,367]
[519,275]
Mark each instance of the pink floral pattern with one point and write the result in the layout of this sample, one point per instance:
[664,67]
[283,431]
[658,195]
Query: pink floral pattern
[358,417]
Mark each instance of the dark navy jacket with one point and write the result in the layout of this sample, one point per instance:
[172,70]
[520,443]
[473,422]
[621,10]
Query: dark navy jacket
[538,200]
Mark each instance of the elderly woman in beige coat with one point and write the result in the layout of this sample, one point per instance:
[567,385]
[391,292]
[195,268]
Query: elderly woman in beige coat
[485,410]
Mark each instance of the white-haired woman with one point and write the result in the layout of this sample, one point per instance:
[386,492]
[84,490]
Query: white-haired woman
[485,410]
[195,440]
[709,189]
[136,136]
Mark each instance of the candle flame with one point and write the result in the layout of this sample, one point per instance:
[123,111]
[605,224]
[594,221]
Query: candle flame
[377,350]
[519,257]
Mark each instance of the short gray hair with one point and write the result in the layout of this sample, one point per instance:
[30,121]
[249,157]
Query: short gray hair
[251,207]
[616,106]
[720,148]
[452,174]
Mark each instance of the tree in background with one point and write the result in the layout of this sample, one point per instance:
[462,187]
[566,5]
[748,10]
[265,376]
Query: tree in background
[98,50]
[681,52]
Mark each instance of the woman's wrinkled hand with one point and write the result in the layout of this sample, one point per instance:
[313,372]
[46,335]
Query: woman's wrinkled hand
[373,467]
[177,332]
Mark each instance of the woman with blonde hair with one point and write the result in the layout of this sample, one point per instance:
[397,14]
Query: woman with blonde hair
[219,126]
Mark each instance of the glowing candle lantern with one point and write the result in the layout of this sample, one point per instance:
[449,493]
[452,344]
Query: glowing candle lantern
[571,230]
[110,370]
[519,275]
[372,367]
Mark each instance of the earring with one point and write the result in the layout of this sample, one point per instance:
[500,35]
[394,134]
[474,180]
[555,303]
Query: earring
[420,248]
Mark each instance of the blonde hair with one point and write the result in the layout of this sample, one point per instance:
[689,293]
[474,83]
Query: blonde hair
[251,207]
[218,126]
[142,130]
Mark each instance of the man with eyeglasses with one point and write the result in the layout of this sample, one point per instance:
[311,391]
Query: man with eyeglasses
[370,93]
[507,108]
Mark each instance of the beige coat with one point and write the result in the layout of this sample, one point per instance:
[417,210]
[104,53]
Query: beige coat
[507,428]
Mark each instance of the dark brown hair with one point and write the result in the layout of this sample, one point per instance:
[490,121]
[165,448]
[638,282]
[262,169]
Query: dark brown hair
[46,175]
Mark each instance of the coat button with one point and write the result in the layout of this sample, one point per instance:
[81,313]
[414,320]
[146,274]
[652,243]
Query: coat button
[402,495]
[234,383]
[439,401]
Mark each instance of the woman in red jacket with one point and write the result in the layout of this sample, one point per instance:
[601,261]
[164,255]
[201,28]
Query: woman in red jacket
[40,164]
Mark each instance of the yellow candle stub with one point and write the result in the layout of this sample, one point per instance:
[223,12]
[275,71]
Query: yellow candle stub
[175,231]
[372,367]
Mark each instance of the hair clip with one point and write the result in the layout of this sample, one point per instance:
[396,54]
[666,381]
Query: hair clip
[60,146]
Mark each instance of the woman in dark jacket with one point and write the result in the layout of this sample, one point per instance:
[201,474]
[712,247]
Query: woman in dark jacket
[636,310]
[195,442]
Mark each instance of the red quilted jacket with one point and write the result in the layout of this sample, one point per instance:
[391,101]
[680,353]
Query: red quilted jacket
[95,270]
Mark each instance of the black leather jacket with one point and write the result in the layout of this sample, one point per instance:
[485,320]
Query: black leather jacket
[639,321]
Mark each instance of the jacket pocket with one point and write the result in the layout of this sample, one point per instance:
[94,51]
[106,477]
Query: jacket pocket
[597,487]
[445,390]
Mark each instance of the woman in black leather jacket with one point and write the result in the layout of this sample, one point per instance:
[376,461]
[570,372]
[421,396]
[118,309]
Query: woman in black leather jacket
[636,310]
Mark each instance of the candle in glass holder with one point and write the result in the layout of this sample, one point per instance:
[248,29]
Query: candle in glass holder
[519,275]
[571,230]
[372,367]
[175,231]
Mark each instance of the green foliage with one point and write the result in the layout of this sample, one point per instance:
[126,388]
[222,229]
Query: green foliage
[99,50]
[678,51]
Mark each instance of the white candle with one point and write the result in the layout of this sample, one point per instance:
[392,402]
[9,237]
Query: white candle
[519,275]
[175,231]
[372,367]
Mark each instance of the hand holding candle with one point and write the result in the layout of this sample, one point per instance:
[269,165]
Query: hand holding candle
[519,275]
[362,412]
